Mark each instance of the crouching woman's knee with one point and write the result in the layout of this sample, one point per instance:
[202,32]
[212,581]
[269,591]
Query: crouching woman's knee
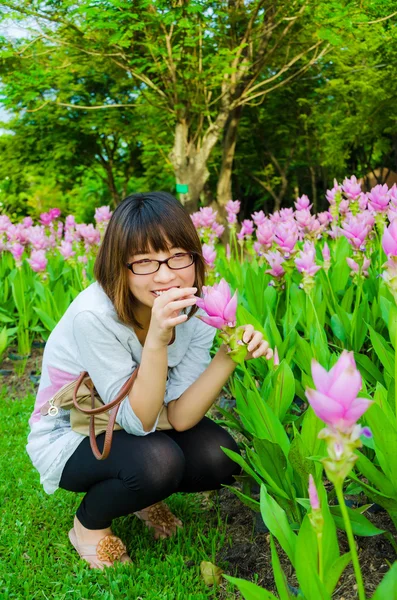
[159,471]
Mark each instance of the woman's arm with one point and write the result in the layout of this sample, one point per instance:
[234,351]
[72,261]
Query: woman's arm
[147,394]
[192,405]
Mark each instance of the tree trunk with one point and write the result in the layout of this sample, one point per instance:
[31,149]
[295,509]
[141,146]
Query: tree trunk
[314,188]
[224,187]
[189,159]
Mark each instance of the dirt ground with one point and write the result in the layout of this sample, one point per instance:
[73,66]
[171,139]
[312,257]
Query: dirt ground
[248,554]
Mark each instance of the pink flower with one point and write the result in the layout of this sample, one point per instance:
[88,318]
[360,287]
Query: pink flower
[37,238]
[54,213]
[102,214]
[335,398]
[286,236]
[207,216]
[66,249]
[89,233]
[196,218]
[276,359]
[330,194]
[17,251]
[264,234]
[219,305]
[286,214]
[305,262]
[303,217]
[351,187]
[70,221]
[363,202]
[5,222]
[27,222]
[258,218]
[313,495]
[356,229]
[231,218]
[228,252]
[46,218]
[38,261]
[303,203]
[218,229]
[389,239]
[275,260]
[324,217]
[209,254]
[82,259]
[247,229]
[326,252]
[355,267]
[378,198]
[233,207]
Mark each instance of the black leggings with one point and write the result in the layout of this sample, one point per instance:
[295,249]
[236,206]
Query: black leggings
[141,471]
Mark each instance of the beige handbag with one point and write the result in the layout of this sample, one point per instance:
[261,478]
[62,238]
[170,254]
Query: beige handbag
[85,404]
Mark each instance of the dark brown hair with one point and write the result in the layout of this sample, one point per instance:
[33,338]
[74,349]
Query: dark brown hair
[142,223]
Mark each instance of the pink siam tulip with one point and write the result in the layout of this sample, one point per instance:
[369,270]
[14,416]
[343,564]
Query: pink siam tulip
[54,213]
[259,218]
[355,267]
[196,218]
[37,238]
[276,359]
[27,222]
[363,202]
[247,229]
[102,214]
[333,193]
[66,250]
[17,251]
[313,495]
[286,214]
[219,305]
[324,217]
[89,234]
[218,229]
[286,236]
[231,219]
[264,234]
[303,203]
[275,260]
[379,198]
[356,229]
[303,217]
[351,188]
[259,249]
[38,261]
[233,207]
[5,222]
[70,222]
[82,259]
[389,239]
[305,262]
[275,217]
[327,257]
[207,216]
[344,207]
[209,254]
[46,218]
[221,309]
[335,398]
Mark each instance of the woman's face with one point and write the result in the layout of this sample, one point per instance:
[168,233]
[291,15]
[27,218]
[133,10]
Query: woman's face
[143,287]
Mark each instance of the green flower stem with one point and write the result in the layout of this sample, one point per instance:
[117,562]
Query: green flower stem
[350,537]
[320,555]
[331,290]
[354,318]
[320,329]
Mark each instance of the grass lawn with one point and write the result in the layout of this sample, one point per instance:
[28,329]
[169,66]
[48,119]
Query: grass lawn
[37,560]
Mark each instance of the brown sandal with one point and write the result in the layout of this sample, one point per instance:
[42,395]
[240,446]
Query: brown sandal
[160,518]
[108,550]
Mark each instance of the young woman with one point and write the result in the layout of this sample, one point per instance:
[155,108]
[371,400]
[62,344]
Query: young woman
[149,272]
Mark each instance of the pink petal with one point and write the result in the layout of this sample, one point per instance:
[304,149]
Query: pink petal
[356,409]
[214,303]
[345,360]
[229,312]
[224,288]
[325,408]
[345,388]
[321,377]
[217,322]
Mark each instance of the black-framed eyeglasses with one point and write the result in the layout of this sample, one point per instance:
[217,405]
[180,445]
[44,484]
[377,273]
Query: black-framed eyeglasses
[146,266]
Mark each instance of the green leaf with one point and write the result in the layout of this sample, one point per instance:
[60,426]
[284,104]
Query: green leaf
[242,463]
[385,440]
[388,586]
[250,502]
[272,465]
[276,521]
[279,576]
[249,590]
[283,391]
[382,350]
[306,563]
[360,524]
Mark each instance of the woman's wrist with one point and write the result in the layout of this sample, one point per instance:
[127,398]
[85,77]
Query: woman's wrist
[224,354]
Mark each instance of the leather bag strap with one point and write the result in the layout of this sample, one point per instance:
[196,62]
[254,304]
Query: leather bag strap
[115,404]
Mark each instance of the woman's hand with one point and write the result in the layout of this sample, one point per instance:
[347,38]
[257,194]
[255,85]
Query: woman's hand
[166,314]
[256,345]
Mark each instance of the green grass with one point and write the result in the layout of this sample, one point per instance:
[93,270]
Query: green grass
[37,560]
